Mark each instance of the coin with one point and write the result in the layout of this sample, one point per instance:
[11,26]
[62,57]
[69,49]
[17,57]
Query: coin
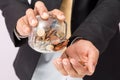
[49,47]
[60,34]
[61,45]
[40,32]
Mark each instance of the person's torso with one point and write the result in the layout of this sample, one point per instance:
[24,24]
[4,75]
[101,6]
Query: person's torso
[81,9]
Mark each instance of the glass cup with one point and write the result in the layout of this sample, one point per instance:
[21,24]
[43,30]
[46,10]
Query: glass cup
[49,36]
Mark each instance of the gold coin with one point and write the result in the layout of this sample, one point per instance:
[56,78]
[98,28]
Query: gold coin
[49,47]
[40,32]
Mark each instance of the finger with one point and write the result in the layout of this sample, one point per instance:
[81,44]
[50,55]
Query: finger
[83,55]
[92,61]
[71,52]
[41,10]
[25,20]
[58,64]
[22,27]
[58,14]
[80,50]
[79,67]
[68,68]
[31,17]
[64,56]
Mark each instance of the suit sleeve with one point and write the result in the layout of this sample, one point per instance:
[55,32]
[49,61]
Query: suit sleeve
[12,10]
[101,24]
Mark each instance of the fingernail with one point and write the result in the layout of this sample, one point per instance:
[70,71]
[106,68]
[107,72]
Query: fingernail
[59,61]
[45,15]
[33,22]
[61,17]
[65,62]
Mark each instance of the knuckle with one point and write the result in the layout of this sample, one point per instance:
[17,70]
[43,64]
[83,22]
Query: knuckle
[24,17]
[29,11]
[55,10]
[39,3]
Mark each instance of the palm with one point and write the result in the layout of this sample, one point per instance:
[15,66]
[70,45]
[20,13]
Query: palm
[85,52]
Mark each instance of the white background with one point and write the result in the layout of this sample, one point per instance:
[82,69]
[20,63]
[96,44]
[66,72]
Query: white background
[7,53]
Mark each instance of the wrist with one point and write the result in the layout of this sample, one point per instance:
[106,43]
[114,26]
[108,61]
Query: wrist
[76,39]
[19,37]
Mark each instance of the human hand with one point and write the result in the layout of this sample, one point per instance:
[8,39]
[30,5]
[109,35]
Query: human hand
[29,20]
[78,60]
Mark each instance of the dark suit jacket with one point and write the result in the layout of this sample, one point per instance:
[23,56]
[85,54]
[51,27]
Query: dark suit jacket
[93,20]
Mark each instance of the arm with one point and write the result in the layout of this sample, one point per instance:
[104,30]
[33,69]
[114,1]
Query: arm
[15,12]
[101,24]
[97,31]
[12,10]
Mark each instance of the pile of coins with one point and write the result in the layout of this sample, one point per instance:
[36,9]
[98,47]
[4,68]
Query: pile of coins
[49,38]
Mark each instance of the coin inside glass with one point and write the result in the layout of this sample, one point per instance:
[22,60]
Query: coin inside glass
[49,36]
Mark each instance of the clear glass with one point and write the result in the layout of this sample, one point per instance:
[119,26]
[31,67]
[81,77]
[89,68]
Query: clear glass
[49,36]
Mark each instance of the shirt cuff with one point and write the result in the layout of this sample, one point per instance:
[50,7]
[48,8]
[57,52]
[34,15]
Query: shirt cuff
[19,37]
[74,40]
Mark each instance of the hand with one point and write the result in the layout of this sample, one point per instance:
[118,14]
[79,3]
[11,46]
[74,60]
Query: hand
[78,60]
[29,20]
